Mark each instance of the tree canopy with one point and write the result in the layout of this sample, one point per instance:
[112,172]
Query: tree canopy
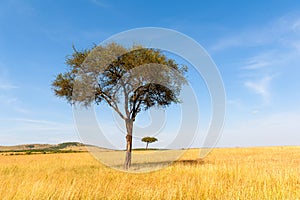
[129,80]
[149,140]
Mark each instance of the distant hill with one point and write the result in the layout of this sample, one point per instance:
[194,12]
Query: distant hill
[65,147]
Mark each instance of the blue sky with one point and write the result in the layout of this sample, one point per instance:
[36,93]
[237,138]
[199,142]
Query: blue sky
[256,46]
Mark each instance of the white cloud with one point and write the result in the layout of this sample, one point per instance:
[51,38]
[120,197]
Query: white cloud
[34,121]
[7,86]
[226,43]
[283,31]
[256,64]
[22,110]
[23,8]
[262,60]
[261,87]
[276,51]
[101,3]
[296,25]
[34,126]
[12,104]
[6,100]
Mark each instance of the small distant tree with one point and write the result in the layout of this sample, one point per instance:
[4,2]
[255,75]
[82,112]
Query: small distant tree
[149,140]
[31,146]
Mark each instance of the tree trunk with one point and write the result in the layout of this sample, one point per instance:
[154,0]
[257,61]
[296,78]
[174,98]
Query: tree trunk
[147,145]
[129,126]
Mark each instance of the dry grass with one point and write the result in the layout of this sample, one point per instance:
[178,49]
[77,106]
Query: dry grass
[250,173]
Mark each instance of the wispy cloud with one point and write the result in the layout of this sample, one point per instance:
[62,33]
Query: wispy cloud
[35,121]
[22,110]
[23,8]
[267,50]
[226,43]
[28,130]
[27,124]
[259,72]
[283,31]
[101,3]
[7,100]
[12,105]
[256,64]
[7,86]
[5,83]
[261,87]
[245,38]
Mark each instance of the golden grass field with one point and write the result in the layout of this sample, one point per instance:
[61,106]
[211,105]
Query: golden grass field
[231,173]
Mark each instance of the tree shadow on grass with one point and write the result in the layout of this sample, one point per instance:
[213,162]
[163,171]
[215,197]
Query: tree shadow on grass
[153,166]
[191,162]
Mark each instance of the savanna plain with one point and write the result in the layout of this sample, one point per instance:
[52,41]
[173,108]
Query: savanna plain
[226,173]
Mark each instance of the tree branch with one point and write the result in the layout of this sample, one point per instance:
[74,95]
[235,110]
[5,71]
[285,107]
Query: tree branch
[111,103]
[125,98]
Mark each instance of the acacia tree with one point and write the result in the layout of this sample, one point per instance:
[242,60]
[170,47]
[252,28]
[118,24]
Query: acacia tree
[149,140]
[136,78]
